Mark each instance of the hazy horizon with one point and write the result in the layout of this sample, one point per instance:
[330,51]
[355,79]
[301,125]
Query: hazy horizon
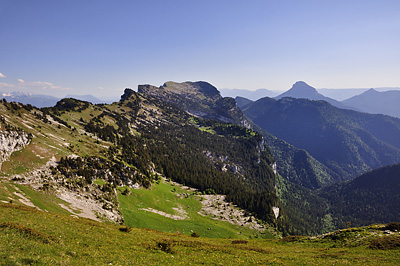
[101,47]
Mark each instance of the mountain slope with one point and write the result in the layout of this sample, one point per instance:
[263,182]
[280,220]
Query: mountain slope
[292,163]
[376,102]
[240,101]
[348,142]
[91,150]
[302,90]
[373,197]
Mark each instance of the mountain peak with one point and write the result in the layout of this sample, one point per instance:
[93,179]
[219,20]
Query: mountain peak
[188,87]
[303,87]
[301,90]
[128,92]
[371,91]
[198,98]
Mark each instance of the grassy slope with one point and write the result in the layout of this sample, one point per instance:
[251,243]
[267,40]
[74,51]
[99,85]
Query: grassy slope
[164,197]
[49,139]
[46,202]
[28,236]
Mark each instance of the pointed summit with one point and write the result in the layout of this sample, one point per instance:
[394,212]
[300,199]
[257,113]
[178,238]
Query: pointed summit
[302,90]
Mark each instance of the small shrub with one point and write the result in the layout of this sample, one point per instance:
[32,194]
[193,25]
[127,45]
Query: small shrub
[395,226]
[166,246]
[385,242]
[125,229]
[240,241]
[194,234]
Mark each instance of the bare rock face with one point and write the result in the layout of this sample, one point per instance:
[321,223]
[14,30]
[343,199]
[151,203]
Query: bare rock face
[197,98]
[11,141]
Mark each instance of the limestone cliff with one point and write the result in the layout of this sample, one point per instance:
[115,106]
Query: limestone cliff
[198,98]
[11,141]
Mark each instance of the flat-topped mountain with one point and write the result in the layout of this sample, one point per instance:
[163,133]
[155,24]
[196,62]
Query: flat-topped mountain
[197,98]
[302,90]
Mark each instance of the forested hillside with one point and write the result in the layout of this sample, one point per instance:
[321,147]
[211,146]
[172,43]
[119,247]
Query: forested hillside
[204,100]
[349,143]
[141,138]
[373,197]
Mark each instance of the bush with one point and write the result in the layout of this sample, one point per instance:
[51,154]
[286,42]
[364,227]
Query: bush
[125,229]
[395,226]
[385,242]
[240,241]
[166,246]
[194,234]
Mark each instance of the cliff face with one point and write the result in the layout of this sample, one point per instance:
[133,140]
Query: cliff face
[11,141]
[198,98]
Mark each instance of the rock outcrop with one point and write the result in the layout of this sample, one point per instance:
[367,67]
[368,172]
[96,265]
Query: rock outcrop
[11,141]
[198,98]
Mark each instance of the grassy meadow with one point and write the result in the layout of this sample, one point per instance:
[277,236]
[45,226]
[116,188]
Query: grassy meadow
[32,237]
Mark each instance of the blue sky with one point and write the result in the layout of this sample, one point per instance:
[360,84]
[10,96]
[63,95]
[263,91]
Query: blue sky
[100,47]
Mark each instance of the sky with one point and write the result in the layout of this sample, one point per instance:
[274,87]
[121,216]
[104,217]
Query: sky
[101,47]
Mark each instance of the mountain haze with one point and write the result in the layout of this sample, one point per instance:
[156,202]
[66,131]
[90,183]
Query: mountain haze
[302,90]
[251,95]
[241,101]
[375,102]
[37,100]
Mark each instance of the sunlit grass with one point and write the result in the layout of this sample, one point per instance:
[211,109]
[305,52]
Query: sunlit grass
[29,236]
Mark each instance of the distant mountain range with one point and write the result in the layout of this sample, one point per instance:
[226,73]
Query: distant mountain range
[40,100]
[341,94]
[251,95]
[302,90]
[241,101]
[375,102]
[344,94]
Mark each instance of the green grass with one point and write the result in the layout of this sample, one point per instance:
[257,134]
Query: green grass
[46,202]
[29,236]
[99,182]
[207,129]
[163,197]
[21,161]
[43,201]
